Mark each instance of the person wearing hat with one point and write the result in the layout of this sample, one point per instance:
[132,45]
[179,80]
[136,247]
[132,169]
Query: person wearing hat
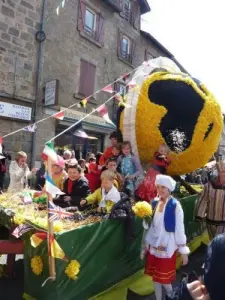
[165,236]
[210,203]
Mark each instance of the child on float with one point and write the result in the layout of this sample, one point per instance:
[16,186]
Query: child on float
[59,175]
[112,166]
[161,161]
[165,236]
[116,151]
[130,168]
[114,139]
[106,196]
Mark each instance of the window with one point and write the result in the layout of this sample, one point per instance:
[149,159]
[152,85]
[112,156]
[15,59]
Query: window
[90,24]
[131,12]
[87,78]
[127,11]
[126,47]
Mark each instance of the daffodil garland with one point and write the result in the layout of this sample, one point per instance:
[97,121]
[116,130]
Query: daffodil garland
[37,265]
[18,219]
[149,115]
[73,269]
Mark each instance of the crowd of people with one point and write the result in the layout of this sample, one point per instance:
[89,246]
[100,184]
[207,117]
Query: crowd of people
[103,180]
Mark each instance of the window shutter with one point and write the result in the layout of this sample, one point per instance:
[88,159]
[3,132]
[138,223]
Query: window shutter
[100,29]
[135,14]
[119,41]
[81,15]
[146,55]
[133,47]
[83,76]
[90,83]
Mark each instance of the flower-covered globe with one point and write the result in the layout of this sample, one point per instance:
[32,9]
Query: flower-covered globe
[169,107]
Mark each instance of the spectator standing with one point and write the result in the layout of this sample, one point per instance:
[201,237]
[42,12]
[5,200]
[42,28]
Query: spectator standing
[4,155]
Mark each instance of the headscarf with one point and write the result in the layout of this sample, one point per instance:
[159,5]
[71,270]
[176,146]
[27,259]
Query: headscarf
[214,270]
[166,181]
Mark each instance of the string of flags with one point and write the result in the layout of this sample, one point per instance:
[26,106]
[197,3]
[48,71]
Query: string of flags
[121,99]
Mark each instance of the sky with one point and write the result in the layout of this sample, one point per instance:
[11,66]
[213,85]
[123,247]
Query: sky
[193,31]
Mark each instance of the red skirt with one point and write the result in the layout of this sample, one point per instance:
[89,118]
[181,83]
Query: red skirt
[162,270]
[147,190]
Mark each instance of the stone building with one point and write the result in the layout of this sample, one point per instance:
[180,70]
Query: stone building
[82,46]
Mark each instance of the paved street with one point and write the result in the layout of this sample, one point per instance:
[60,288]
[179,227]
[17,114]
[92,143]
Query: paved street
[13,289]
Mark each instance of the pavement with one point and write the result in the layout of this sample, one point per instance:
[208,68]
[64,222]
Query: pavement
[12,289]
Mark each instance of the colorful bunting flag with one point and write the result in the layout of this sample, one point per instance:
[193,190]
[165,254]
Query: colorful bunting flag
[51,187]
[103,112]
[55,212]
[49,151]
[55,250]
[60,115]
[30,128]
[83,103]
[125,77]
[108,89]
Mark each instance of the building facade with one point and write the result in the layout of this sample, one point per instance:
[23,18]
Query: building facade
[82,46]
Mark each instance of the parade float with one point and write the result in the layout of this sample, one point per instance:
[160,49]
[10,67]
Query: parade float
[89,256]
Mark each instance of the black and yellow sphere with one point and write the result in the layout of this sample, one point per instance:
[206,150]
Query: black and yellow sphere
[172,108]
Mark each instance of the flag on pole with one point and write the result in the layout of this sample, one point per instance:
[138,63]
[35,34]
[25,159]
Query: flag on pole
[60,115]
[108,89]
[55,212]
[30,128]
[49,151]
[55,250]
[103,112]
[51,187]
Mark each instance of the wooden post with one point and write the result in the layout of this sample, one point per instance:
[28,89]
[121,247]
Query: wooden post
[52,270]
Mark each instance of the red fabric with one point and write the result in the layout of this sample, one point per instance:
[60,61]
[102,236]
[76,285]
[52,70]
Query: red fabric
[106,155]
[161,162]
[162,270]
[147,190]
[94,181]
[70,187]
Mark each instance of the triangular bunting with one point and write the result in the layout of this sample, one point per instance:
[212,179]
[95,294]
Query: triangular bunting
[83,103]
[60,115]
[108,89]
[103,112]
[30,128]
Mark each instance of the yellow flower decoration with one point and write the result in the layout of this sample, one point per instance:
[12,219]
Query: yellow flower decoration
[142,209]
[37,265]
[73,269]
[57,226]
[18,219]
[141,123]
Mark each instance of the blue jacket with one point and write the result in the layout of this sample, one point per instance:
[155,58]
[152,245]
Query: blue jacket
[170,214]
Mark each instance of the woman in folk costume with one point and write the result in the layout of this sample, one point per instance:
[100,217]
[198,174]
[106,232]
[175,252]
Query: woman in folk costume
[165,236]
[210,204]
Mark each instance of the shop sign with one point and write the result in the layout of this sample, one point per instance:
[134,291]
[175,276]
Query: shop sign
[51,92]
[15,111]
[77,115]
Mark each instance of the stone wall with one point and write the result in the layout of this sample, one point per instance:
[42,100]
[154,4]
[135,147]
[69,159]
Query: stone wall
[19,21]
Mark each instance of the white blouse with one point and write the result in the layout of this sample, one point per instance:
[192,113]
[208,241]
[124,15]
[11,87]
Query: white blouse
[162,243]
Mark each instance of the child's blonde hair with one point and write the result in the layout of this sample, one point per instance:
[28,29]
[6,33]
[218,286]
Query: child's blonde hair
[109,175]
[166,148]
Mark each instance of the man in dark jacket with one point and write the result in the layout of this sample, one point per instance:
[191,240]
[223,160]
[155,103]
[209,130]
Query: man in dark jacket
[75,188]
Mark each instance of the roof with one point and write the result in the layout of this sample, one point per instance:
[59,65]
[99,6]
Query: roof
[163,49]
[144,6]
